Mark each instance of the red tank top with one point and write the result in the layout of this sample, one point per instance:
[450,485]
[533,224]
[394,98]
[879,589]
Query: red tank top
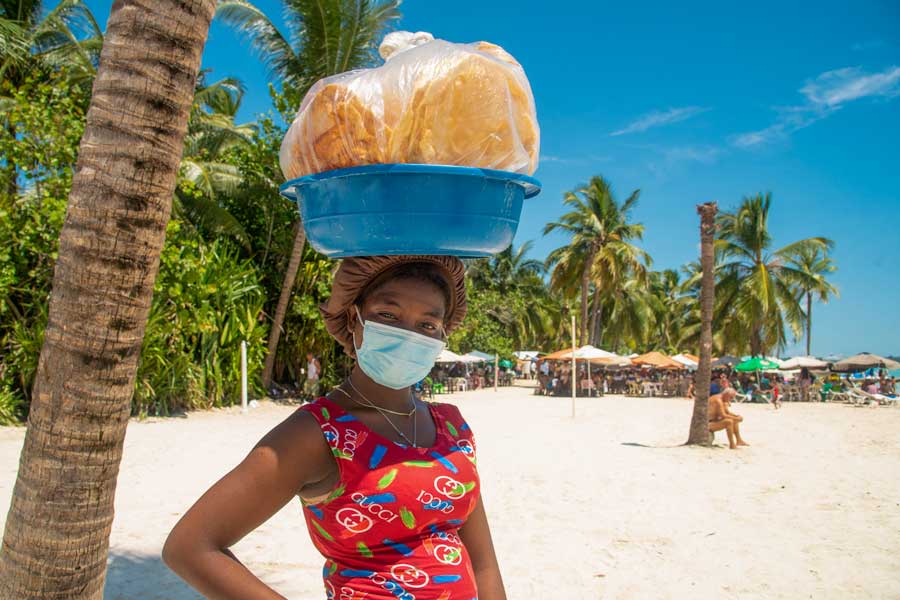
[388,531]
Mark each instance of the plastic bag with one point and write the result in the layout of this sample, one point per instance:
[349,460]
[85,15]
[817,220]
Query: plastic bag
[432,102]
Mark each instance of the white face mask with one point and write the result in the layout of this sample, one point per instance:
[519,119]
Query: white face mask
[395,357]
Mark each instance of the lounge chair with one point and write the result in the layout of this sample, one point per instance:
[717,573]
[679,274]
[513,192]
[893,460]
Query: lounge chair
[858,397]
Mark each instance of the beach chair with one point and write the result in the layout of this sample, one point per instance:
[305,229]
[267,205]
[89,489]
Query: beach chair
[587,387]
[740,398]
[858,397]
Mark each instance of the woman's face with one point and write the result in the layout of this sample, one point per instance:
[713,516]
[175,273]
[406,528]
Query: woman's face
[411,304]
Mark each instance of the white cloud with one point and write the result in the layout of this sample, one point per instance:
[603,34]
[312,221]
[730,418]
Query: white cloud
[824,95]
[588,158]
[845,85]
[551,158]
[660,118]
[672,159]
[701,154]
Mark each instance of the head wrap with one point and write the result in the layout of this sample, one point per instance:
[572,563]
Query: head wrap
[356,273]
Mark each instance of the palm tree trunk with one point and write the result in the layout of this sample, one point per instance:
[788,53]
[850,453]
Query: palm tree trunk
[808,323]
[287,287]
[57,531]
[595,311]
[585,283]
[699,432]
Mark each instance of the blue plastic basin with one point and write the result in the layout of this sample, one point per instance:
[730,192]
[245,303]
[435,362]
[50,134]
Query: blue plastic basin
[411,209]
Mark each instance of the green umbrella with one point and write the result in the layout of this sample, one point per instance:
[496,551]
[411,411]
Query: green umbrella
[505,363]
[757,363]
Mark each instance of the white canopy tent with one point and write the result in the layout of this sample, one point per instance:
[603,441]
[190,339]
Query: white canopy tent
[526,354]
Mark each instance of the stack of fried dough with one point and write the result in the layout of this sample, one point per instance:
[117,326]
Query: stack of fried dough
[432,102]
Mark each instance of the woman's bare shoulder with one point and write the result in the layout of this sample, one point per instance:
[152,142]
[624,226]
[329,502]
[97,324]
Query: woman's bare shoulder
[299,445]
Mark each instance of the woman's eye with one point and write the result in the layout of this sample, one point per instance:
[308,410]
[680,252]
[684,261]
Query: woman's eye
[386,315]
[428,326]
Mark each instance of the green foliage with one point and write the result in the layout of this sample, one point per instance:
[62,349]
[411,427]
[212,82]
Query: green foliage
[323,37]
[482,330]
[38,142]
[757,299]
[206,301]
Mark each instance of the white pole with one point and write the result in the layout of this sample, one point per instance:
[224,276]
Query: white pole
[574,374]
[244,377]
[496,369]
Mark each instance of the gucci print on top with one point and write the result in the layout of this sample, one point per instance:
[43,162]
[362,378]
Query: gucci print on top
[389,530]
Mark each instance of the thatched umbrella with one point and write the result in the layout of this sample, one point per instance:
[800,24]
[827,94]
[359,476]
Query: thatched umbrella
[864,361]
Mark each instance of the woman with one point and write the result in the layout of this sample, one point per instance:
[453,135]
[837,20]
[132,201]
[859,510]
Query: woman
[388,482]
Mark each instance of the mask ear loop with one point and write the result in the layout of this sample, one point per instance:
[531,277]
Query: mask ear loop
[352,333]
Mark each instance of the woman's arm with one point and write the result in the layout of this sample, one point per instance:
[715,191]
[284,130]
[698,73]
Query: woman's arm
[476,535]
[291,456]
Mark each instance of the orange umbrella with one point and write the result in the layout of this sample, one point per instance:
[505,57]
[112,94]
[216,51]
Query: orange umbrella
[612,361]
[559,355]
[696,359]
[658,360]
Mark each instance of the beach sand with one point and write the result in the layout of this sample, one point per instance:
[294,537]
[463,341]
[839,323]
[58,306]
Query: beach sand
[606,505]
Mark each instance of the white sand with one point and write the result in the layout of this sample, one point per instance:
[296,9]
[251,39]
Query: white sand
[607,505]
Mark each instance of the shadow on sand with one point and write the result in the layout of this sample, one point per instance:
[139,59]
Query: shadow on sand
[143,577]
[639,445]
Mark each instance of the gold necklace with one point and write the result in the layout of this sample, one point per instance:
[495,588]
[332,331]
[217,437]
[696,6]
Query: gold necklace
[381,411]
[373,405]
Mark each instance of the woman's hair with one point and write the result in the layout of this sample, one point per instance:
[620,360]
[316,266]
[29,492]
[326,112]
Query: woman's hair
[416,271]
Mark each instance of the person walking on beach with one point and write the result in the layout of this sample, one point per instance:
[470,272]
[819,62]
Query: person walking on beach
[388,483]
[313,371]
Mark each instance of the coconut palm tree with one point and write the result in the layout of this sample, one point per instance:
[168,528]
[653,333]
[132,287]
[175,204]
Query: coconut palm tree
[57,531]
[205,173]
[528,311]
[600,246]
[629,307]
[506,270]
[670,306]
[699,429]
[67,37]
[756,289]
[816,265]
[330,37]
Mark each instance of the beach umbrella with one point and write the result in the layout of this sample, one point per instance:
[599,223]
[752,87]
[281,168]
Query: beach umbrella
[686,360]
[612,361]
[757,363]
[657,360]
[446,356]
[726,361]
[861,362]
[801,362]
[484,356]
[469,358]
[558,355]
[526,354]
[589,352]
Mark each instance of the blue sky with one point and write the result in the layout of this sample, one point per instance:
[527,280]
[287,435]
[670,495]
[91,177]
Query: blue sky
[699,101]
